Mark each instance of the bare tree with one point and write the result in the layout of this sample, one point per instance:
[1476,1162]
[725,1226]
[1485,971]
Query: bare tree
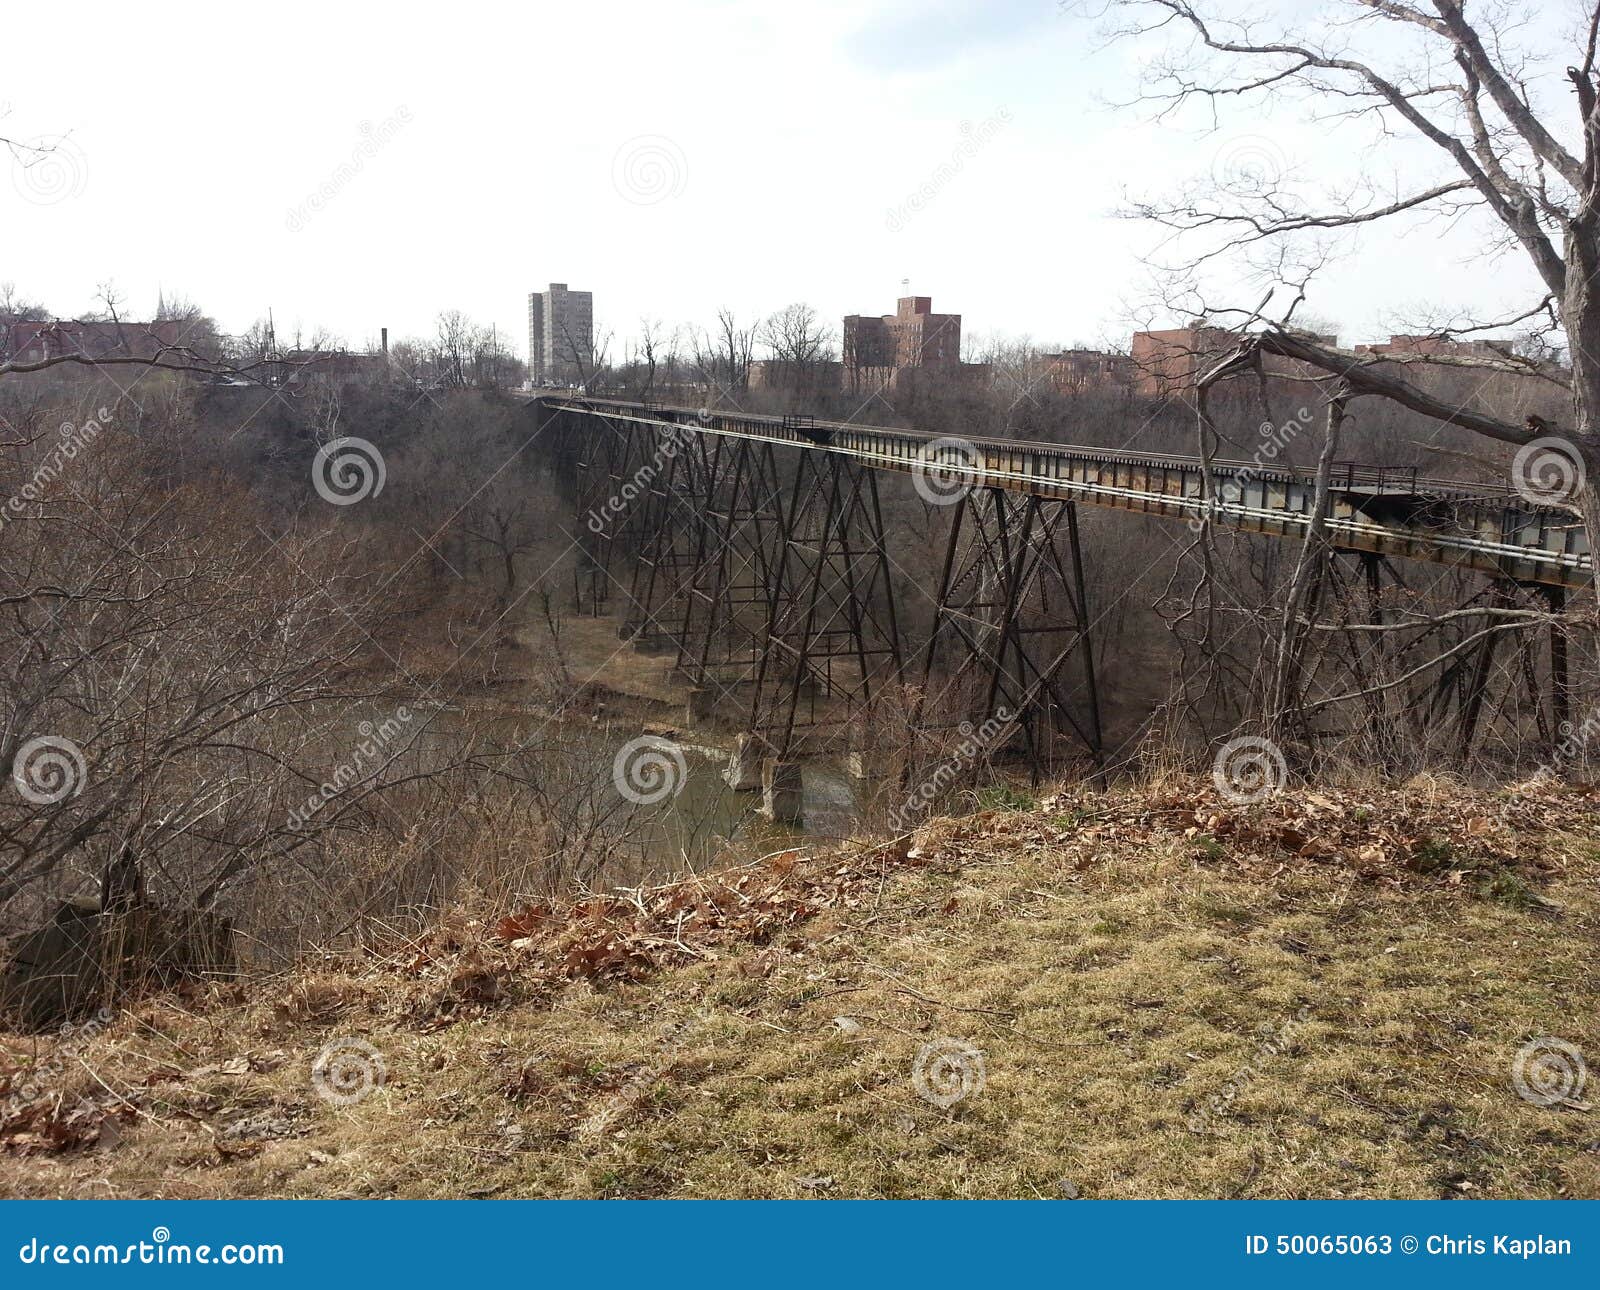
[501,516]
[1528,169]
[590,355]
[722,357]
[453,346]
[652,340]
[171,681]
[15,309]
[800,344]
[195,327]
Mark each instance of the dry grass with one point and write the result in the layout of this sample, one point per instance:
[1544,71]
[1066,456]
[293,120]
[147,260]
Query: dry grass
[1120,974]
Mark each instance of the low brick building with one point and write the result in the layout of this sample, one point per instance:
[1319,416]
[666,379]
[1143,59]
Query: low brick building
[1171,361]
[819,377]
[34,342]
[1073,371]
[1430,346]
[1168,364]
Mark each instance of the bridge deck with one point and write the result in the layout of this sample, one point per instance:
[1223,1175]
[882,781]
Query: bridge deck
[1384,510]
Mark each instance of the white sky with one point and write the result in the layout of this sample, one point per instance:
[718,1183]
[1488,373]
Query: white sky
[789,134]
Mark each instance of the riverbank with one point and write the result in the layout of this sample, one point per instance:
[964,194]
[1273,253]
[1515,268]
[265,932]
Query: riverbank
[1145,992]
[632,691]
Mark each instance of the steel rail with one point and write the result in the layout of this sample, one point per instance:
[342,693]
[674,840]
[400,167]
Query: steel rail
[1381,510]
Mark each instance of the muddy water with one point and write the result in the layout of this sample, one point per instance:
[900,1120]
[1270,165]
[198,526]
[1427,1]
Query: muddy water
[706,810]
[699,818]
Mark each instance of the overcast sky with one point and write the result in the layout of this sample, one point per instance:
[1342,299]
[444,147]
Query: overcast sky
[354,166]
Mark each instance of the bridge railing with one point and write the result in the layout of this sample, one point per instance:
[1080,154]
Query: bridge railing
[1485,526]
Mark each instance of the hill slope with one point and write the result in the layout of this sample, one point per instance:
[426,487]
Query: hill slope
[1127,994]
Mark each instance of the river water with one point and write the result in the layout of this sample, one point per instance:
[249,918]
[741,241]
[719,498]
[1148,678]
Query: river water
[696,820]
[705,812]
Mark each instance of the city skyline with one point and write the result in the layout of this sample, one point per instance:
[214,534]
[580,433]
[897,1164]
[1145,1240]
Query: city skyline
[1000,194]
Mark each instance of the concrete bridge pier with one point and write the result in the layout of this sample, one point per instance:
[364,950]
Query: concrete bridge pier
[864,756]
[702,702]
[782,799]
[781,569]
[744,767]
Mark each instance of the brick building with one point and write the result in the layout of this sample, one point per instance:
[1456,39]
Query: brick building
[819,377]
[1429,346]
[296,366]
[877,350]
[33,342]
[1169,363]
[1073,371]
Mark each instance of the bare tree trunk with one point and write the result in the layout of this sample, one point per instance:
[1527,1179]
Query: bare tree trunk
[1580,315]
[1284,717]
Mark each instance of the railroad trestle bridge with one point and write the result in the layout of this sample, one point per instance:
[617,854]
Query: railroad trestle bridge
[755,549]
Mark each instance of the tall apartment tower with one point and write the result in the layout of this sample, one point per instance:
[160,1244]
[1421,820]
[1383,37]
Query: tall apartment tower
[560,335]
